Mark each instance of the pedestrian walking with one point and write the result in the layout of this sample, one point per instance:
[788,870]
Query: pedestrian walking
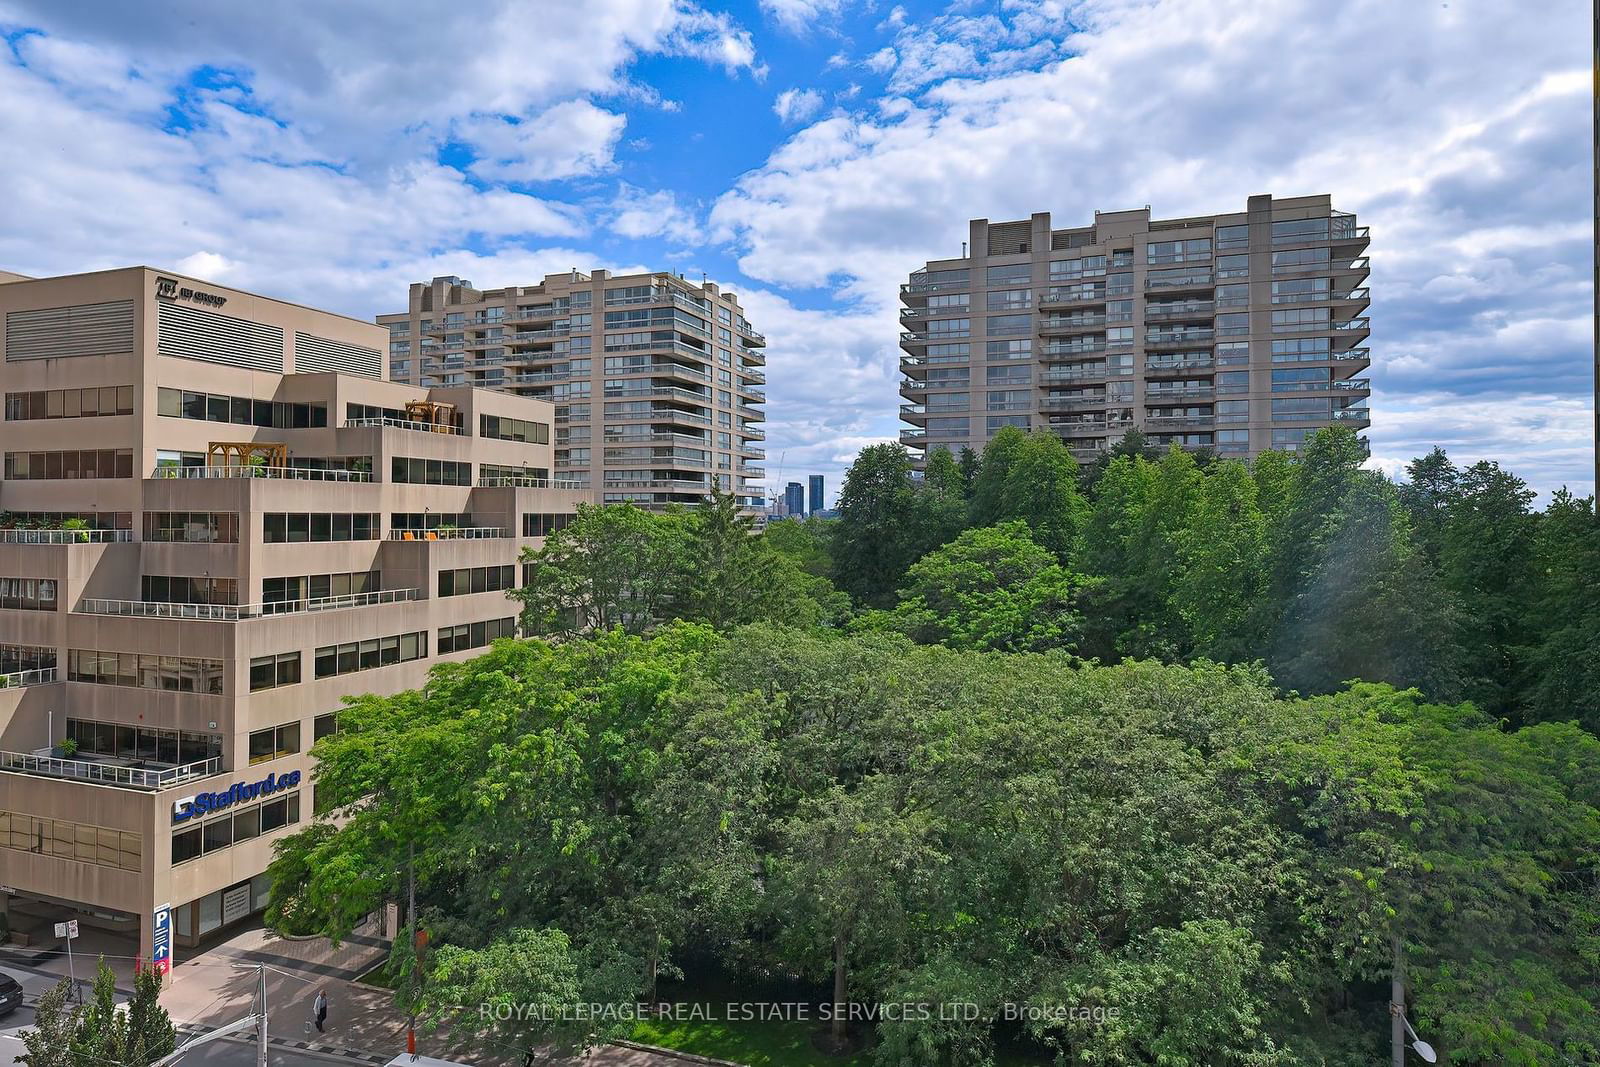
[319,1009]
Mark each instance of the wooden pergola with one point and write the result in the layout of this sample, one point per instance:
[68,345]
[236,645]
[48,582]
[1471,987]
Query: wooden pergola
[437,414]
[247,454]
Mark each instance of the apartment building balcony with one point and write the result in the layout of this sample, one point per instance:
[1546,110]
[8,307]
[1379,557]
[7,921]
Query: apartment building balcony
[1187,392]
[678,348]
[535,314]
[551,334]
[1064,296]
[752,376]
[919,288]
[649,437]
[543,377]
[691,485]
[1358,295]
[1189,280]
[914,412]
[1341,229]
[752,433]
[1168,338]
[1088,372]
[757,339]
[1086,453]
[659,370]
[1351,355]
[757,395]
[675,416]
[1082,427]
[1073,403]
[237,612]
[1178,366]
[652,391]
[917,438]
[1169,422]
[1070,349]
[1071,323]
[1178,311]
[1353,414]
[143,774]
[298,474]
[753,414]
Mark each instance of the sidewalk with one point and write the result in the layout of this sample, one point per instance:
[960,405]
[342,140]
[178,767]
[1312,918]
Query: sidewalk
[219,986]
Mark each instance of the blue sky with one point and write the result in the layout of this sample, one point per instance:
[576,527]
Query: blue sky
[808,153]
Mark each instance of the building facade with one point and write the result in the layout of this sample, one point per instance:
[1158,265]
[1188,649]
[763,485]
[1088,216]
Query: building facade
[819,496]
[220,519]
[794,499]
[1237,333]
[656,382]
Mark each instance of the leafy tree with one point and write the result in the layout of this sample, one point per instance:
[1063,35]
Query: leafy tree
[941,500]
[876,538]
[49,1042]
[1485,560]
[735,576]
[992,588]
[1432,482]
[1040,487]
[95,1035]
[146,1033]
[611,566]
[989,498]
[1222,576]
[1563,666]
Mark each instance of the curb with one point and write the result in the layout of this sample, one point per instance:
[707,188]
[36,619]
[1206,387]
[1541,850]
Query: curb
[687,1057]
[190,1030]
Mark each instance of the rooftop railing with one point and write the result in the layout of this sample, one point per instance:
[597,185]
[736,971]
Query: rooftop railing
[299,474]
[18,679]
[108,772]
[457,533]
[63,537]
[519,481]
[405,424]
[235,612]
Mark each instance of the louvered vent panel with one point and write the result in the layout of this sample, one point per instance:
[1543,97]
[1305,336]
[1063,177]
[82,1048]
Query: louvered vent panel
[194,333]
[80,330]
[313,354]
[1008,237]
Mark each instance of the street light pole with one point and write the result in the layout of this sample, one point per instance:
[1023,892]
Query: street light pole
[261,1017]
[1397,1005]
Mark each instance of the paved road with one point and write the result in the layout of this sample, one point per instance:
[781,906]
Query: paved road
[223,1053]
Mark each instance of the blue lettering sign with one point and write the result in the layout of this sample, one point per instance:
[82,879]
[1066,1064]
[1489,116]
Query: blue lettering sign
[205,803]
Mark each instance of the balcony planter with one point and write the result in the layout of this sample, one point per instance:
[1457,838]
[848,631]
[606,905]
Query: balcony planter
[80,526]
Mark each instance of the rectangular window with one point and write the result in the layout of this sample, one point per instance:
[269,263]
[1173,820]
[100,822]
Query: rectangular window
[405,469]
[1292,320]
[1008,374]
[274,742]
[278,527]
[137,670]
[474,635]
[541,524]
[1302,350]
[1003,299]
[1301,379]
[1011,274]
[1301,409]
[353,656]
[1233,381]
[70,403]
[1018,348]
[55,466]
[500,428]
[28,594]
[1005,324]
[476,580]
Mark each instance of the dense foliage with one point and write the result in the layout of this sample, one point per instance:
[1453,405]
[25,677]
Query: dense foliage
[921,824]
[1196,741]
[95,1031]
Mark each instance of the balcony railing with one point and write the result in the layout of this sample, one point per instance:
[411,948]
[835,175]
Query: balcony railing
[1312,296]
[1187,310]
[235,612]
[108,772]
[1351,414]
[301,474]
[18,679]
[518,481]
[63,537]
[404,424]
[1190,392]
[1168,366]
[460,533]
[1177,337]
[1193,280]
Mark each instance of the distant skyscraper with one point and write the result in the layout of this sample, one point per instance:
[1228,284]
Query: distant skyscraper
[794,499]
[819,497]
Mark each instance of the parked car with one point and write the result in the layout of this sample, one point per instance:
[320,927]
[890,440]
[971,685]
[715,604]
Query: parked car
[10,994]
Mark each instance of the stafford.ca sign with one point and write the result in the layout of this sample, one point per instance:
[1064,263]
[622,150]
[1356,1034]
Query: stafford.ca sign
[202,804]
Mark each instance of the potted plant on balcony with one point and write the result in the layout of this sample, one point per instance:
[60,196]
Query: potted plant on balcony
[68,747]
[79,525]
[445,529]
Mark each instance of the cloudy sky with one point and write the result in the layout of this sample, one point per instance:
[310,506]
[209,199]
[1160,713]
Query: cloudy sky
[809,153]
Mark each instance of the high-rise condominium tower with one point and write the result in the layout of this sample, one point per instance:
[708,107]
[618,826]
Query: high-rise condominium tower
[656,382]
[1238,333]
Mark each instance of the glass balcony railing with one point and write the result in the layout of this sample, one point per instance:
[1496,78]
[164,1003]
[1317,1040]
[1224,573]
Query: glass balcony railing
[235,612]
[128,774]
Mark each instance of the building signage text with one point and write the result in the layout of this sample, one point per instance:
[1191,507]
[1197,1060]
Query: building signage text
[205,803]
[169,289]
[161,941]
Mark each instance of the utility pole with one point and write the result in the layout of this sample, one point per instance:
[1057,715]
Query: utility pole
[411,932]
[261,1016]
[1397,1005]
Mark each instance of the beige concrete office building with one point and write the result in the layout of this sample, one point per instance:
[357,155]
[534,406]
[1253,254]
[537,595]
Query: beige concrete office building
[269,524]
[656,382]
[1236,333]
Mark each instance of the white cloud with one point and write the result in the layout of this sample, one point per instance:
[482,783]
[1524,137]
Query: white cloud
[636,213]
[567,140]
[801,16]
[797,105]
[882,61]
